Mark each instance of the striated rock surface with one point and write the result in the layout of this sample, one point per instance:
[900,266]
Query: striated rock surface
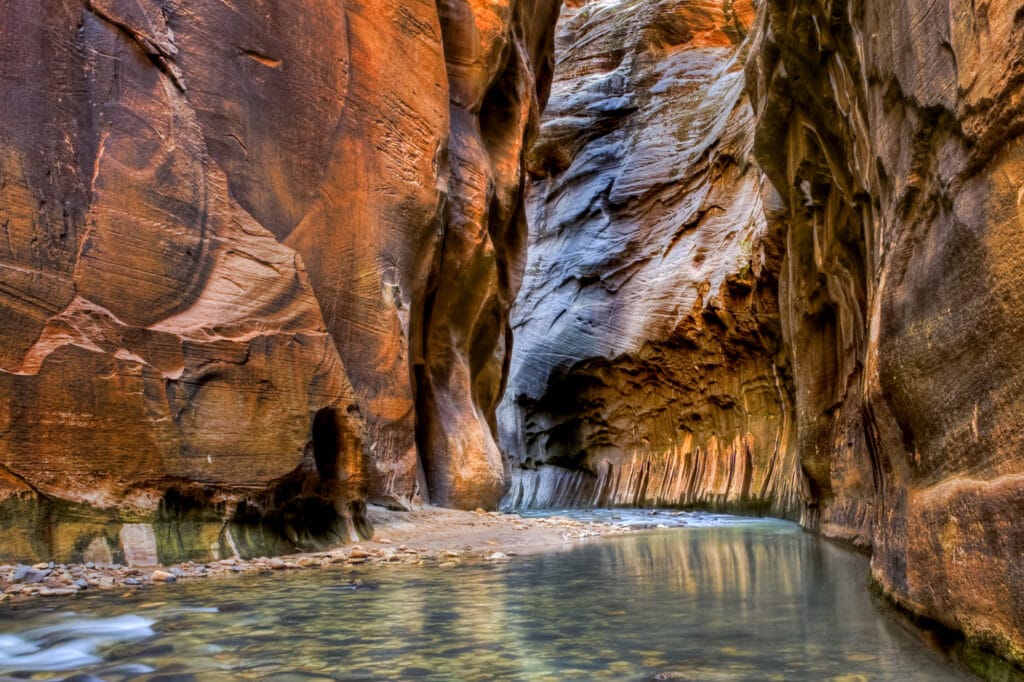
[163,356]
[237,244]
[894,132]
[499,59]
[648,365]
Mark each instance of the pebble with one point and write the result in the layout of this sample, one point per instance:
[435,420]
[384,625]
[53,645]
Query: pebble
[35,575]
[22,581]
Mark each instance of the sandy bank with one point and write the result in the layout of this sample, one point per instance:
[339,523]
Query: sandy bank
[436,537]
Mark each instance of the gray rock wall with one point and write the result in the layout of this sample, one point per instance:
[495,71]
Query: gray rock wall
[647,341]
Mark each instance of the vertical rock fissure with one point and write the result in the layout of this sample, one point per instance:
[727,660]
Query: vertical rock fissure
[493,103]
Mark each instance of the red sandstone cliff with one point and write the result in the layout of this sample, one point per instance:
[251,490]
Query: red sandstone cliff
[894,132]
[257,261]
[237,242]
[877,383]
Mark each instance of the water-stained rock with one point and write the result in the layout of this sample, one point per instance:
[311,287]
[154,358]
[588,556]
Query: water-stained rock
[647,361]
[155,335]
[894,133]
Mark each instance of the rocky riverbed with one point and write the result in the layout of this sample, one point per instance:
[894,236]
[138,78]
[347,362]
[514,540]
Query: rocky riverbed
[442,538]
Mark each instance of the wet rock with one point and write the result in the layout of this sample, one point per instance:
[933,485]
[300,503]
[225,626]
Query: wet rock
[33,575]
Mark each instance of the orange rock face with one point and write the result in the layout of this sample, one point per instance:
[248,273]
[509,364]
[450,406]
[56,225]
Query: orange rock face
[238,242]
[646,367]
[157,336]
[894,132]
[499,64]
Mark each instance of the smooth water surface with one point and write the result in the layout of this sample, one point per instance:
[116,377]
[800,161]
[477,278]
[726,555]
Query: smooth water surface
[721,599]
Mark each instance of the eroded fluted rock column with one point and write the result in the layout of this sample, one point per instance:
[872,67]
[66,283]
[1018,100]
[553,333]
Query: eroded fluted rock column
[647,366]
[499,62]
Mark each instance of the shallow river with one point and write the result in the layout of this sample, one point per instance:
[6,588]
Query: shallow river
[721,599]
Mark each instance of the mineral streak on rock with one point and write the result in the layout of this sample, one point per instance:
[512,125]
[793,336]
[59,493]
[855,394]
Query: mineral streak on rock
[894,133]
[647,351]
[222,223]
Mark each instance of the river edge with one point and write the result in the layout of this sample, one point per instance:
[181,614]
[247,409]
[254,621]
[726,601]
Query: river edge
[432,536]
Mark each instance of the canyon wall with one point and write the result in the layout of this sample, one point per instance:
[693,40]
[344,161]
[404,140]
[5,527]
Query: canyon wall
[791,289]
[247,249]
[648,365]
[895,133]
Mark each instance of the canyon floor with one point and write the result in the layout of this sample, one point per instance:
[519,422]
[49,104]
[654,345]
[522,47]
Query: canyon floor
[429,537]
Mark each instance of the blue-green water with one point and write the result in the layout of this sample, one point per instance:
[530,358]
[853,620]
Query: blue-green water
[722,599]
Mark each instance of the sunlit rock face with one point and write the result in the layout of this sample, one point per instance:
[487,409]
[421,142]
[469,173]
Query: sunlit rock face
[894,133]
[246,248]
[499,61]
[157,337]
[647,366]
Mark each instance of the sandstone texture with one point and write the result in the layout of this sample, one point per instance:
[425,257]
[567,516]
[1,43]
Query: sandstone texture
[499,60]
[648,365]
[238,242]
[893,131]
